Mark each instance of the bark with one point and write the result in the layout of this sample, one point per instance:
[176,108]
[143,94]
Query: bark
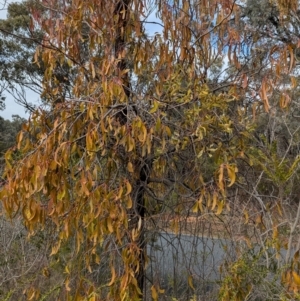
[141,212]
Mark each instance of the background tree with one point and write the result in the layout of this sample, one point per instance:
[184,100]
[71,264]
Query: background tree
[17,47]
[8,131]
[270,186]
[20,70]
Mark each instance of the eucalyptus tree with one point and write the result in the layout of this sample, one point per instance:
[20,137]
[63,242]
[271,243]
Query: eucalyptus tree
[18,42]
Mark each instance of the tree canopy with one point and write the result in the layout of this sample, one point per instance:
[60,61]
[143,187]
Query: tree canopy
[140,130]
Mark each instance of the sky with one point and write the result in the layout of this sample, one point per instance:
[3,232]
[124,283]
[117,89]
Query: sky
[13,108]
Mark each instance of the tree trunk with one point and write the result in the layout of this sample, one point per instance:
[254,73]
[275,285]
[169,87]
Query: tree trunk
[122,14]
[141,212]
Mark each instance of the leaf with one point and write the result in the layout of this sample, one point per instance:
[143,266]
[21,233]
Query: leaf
[139,224]
[221,177]
[128,188]
[231,169]
[134,234]
[31,294]
[294,82]
[93,70]
[128,202]
[296,278]
[109,225]
[46,272]
[190,282]
[113,276]
[220,207]
[27,213]
[130,143]
[284,100]
[55,248]
[275,233]
[143,134]
[67,271]
[67,285]
[200,203]
[264,96]
[89,141]
[19,139]
[79,240]
[195,208]
[154,293]
[92,297]
[292,57]
[215,200]
[120,193]
[244,81]
[154,108]
[168,131]
[279,208]
[130,167]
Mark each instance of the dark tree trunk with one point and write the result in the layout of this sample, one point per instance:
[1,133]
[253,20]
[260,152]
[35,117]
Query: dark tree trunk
[141,212]
[138,195]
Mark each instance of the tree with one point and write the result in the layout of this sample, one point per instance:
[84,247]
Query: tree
[270,181]
[134,111]
[136,129]
[18,42]
[8,131]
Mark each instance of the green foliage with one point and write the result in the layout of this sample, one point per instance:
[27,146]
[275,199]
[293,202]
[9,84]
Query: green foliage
[249,278]
[8,132]
[17,47]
